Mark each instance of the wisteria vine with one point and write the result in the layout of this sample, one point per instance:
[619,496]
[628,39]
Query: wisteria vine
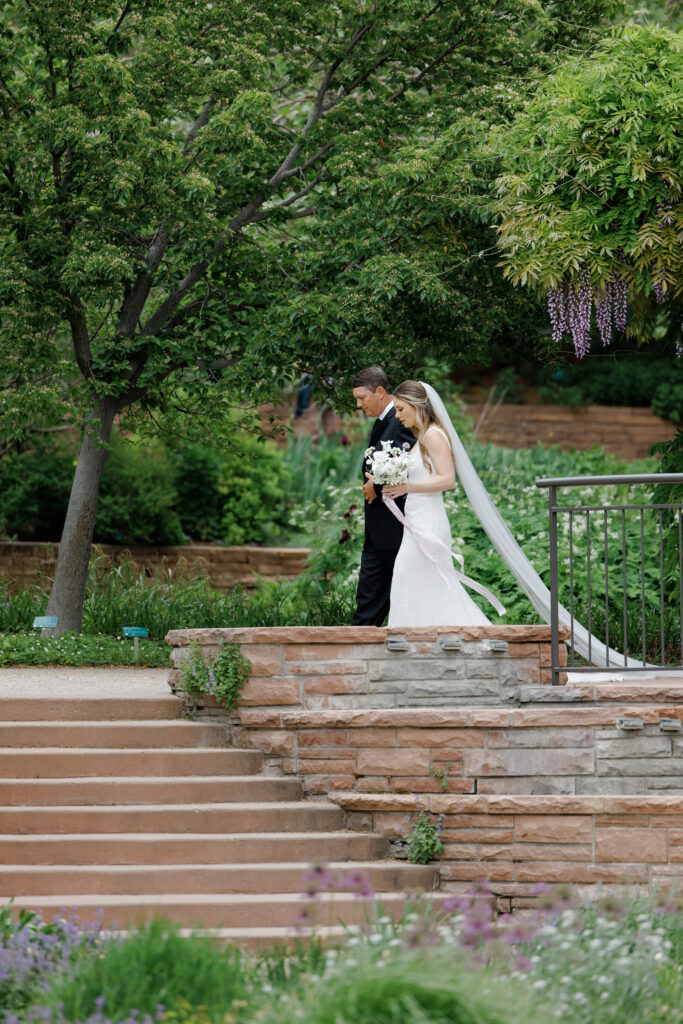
[569,307]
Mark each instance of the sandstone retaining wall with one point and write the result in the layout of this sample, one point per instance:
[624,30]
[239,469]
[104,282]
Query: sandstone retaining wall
[516,842]
[367,667]
[26,563]
[542,784]
[627,432]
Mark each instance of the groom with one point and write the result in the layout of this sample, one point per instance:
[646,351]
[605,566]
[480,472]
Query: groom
[383,532]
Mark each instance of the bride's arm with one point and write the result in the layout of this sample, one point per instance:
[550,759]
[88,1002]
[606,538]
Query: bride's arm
[443,477]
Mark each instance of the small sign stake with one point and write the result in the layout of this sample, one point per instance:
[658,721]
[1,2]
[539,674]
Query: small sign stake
[45,621]
[135,632]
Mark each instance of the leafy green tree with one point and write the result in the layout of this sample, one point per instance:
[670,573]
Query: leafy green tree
[591,199]
[186,200]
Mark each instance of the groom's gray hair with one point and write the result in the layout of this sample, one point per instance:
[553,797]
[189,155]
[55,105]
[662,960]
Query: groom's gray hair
[372,378]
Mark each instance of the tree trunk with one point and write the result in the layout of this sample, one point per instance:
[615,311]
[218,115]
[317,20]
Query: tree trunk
[68,588]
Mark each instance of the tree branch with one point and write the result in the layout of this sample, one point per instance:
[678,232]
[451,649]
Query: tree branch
[308,163]
[135,394]
[309,211]
[80,336]
[170,304]
[200,121]
[318,104]
[411,83]
[133,305]
[292,199]
[124,13]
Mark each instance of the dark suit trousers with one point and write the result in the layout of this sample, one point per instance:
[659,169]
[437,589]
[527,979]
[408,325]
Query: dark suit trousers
[374,586]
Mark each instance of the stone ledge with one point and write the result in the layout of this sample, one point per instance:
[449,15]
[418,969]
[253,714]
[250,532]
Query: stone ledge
[357,634]
[479,718]
[440,803]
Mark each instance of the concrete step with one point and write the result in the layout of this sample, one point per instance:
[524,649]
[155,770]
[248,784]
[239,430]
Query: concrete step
[56,762]
[219,910]
[236,817]
[134,879]
[93,709]
[191,848]
[109,790]
[120,735]
[265,938]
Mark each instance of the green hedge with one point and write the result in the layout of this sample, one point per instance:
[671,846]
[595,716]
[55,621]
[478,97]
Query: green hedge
[151,495]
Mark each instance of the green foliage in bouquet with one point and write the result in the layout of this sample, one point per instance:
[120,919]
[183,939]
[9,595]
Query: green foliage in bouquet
[222,677]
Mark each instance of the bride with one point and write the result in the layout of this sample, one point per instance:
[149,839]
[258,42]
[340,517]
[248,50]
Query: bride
[426,589]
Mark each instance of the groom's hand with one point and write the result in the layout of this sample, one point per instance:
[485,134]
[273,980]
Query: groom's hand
[369,489]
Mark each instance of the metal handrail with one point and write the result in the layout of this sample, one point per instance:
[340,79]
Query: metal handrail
[553,485]
[626,478]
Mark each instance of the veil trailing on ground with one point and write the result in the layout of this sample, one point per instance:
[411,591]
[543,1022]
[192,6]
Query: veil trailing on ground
[507,547]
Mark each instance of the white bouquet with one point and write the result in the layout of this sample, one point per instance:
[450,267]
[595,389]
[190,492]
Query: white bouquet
[388,465]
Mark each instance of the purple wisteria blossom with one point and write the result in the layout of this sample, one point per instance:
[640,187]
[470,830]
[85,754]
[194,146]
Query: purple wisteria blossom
[658,284]
[570,307]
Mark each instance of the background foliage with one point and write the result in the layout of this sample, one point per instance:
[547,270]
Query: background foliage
[593,179]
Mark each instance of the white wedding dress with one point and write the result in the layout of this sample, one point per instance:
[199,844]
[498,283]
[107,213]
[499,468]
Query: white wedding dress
[426,591]
[419,596]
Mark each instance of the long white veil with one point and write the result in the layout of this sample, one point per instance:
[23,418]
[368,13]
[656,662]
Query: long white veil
[507,547]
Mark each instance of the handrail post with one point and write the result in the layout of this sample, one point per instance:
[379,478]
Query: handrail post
[554,587]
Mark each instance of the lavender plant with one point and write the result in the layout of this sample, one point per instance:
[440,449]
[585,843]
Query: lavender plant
[33,953]
[152,974]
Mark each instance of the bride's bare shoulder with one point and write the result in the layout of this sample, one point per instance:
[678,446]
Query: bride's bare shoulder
[432,433]
[436,442]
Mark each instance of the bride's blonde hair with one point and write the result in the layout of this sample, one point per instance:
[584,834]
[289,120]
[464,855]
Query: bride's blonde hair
[415,394]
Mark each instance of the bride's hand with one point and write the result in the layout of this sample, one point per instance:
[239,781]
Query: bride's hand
[395,491]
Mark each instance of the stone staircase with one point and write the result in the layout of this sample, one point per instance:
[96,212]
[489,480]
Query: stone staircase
[117,807]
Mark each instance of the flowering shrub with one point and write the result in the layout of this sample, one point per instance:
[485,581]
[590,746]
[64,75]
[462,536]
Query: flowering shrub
[32,953]
[606,962]
[594,963]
